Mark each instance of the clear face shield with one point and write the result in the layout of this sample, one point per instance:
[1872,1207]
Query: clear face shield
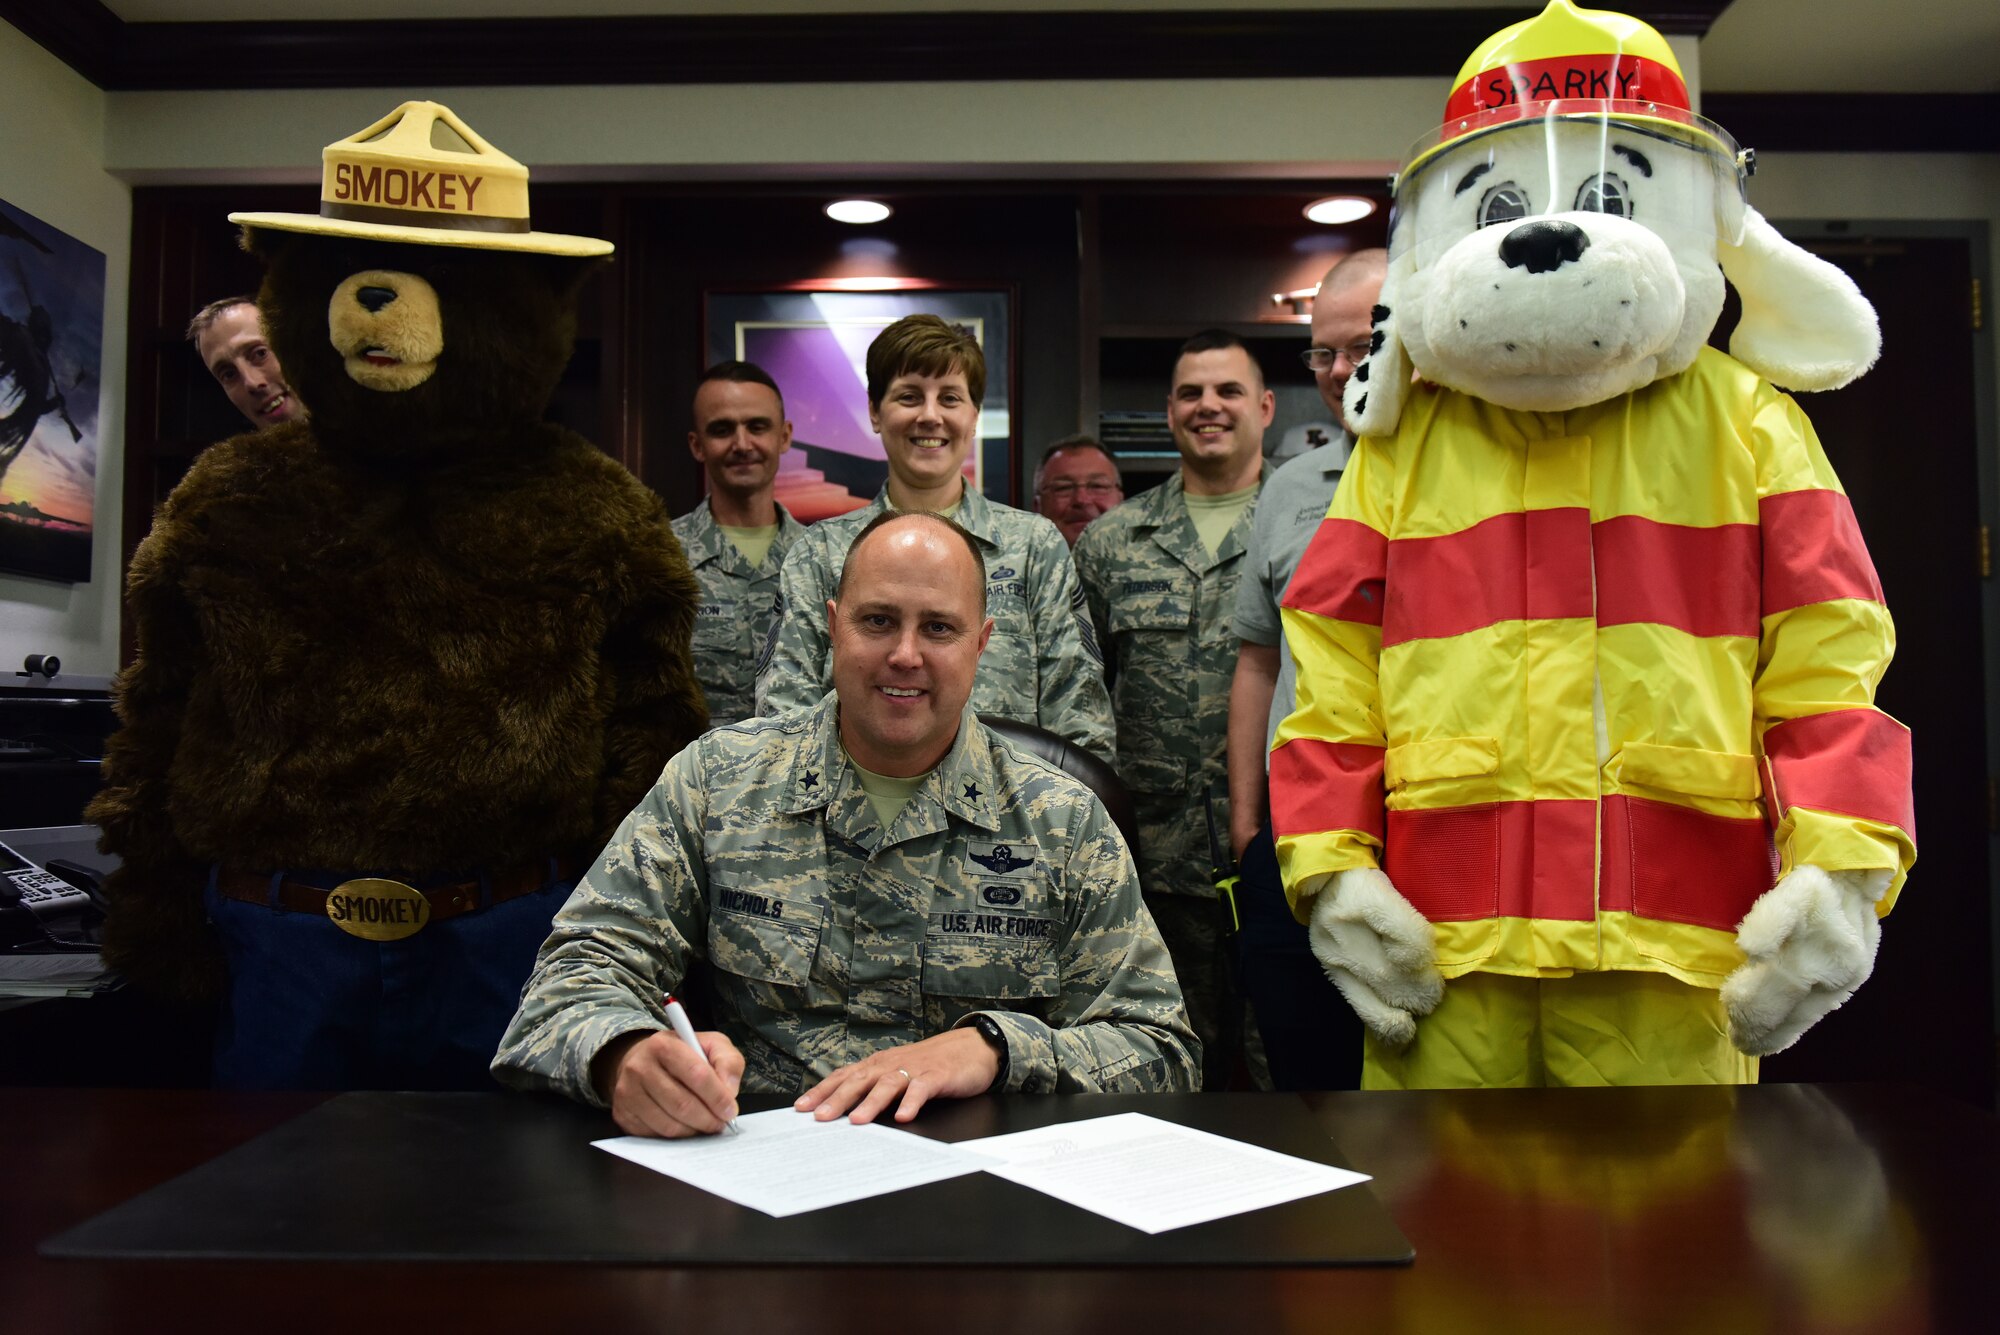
[1668,170]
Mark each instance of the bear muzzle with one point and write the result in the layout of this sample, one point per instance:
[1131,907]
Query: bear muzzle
[388,329]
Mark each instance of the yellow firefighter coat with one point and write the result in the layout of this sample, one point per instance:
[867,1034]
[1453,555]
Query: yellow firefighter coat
[1583,684]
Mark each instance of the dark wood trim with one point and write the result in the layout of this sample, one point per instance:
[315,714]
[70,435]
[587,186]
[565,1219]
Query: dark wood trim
[83,34]
[1089,308]
[878,47]
[1860,122]
[818,48]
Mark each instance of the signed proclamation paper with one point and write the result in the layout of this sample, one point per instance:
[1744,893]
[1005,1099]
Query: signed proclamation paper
[1154,1175]
[786,1163]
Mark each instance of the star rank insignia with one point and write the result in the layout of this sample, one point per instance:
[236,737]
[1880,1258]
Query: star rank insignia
[972,792]
[811,779]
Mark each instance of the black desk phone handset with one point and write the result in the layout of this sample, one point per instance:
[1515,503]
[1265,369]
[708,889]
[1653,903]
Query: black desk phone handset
[32,900]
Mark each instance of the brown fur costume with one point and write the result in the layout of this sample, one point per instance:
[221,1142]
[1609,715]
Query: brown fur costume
[419,633]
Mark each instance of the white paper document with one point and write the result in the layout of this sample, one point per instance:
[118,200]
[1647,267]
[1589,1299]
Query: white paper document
[1154,1175]
[786,1162]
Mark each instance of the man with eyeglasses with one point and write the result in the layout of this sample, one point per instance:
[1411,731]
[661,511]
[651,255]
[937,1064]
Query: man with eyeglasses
[1076,481]
[1311,1040]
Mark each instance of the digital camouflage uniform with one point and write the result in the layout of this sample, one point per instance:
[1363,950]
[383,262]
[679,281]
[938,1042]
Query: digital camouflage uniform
[1042,665]
[1001,888]
[1162,609]
[739,603]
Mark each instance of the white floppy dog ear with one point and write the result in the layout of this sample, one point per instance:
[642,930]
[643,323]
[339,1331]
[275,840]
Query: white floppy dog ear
[1805,324]
[1374,396]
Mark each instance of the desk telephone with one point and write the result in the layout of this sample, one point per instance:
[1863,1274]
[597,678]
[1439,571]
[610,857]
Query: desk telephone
[42,911]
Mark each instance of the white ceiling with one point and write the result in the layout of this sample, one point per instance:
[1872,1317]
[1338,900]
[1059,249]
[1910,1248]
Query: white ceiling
[1757,46]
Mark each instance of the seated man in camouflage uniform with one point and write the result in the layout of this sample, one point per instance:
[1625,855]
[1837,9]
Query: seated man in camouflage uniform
[897,905]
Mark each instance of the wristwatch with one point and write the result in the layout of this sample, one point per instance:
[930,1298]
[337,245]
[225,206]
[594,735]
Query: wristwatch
[989,1029]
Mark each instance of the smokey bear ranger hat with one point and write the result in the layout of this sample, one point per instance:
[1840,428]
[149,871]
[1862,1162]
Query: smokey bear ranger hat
[423,176]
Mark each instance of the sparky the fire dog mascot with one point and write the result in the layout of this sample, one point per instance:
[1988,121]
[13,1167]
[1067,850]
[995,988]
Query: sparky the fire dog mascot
[1586,783]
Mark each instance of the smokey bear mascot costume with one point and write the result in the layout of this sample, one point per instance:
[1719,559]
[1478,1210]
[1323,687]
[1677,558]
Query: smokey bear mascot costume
[402,666]
[1586,782]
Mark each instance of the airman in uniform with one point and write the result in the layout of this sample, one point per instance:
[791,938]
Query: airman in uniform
[896,905]
[1160,575]
[737,538]
[925,383]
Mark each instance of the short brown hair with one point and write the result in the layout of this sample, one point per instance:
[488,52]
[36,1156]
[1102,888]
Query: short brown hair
[742,373]
[924,345]
[209,314]
[1220,340]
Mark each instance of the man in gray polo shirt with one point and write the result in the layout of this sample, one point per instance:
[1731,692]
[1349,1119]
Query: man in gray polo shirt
[1311,1038]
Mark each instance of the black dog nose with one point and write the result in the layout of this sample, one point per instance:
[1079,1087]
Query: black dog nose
[375,298]
[1542,246]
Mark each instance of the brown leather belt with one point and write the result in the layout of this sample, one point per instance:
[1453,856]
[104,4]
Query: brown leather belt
[447,901]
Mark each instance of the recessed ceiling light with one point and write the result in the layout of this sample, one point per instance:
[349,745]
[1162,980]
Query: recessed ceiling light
[857,210]
[1337,209]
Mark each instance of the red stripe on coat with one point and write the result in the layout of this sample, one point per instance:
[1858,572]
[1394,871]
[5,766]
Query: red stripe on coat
[1851,762]
[1504,859]
[1318,786]
[1340,575]
[1813,551]
[1537,860]
[1513,566]
[1700,580]
[1676,864]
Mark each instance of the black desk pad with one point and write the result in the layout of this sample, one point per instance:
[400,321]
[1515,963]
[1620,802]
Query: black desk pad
[491,1177]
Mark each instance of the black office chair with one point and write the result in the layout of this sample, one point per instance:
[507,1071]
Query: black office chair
[1080,765]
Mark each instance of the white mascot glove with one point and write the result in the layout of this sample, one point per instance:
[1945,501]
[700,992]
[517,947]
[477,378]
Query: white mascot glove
[1378,951]
[1808,942]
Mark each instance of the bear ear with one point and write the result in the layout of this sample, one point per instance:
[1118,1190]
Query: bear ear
[1805,324]
[564,275]
[580,271]
[263,243]
[1375,392]
[268,243]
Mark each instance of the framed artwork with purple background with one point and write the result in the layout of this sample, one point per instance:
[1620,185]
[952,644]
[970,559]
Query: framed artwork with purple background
[51,347]
[814,342]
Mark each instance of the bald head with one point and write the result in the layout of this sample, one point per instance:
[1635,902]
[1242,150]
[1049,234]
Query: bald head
[1362,266]
[1343,320]
[907,626]
[914,523]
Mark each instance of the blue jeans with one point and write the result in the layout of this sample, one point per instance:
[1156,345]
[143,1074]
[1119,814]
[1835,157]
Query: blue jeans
[310,1007]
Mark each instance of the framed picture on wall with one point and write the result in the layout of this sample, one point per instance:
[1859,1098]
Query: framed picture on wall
[814,342]
[51,352]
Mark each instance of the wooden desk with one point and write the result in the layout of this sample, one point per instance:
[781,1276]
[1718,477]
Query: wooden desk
[1794,1208]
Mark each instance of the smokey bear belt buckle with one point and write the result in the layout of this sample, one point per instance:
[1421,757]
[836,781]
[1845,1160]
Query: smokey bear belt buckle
[377,910]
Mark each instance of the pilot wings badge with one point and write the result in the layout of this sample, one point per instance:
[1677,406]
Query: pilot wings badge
[999,858]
